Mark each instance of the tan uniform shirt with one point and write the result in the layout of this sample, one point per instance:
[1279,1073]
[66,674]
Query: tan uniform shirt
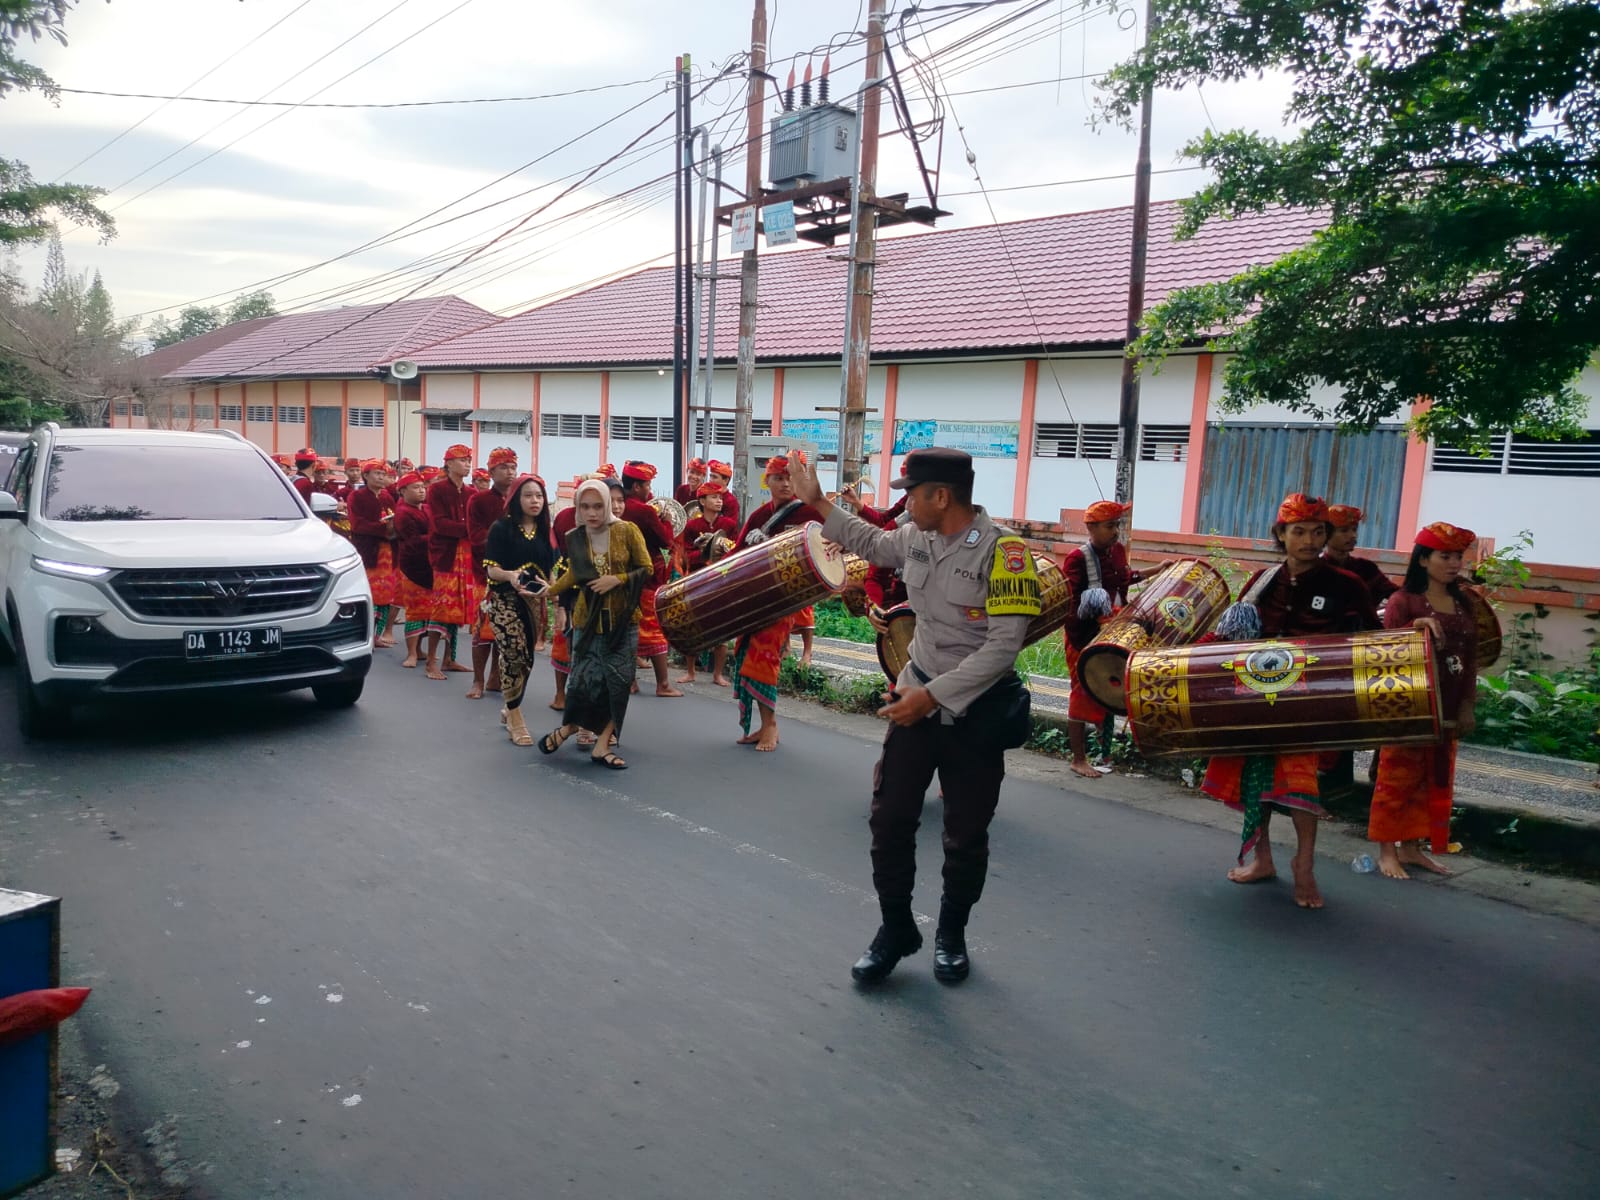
[974,594]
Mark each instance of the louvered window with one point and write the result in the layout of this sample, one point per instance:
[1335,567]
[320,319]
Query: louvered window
[569,425]
[722,429]
[229,412]
[641,429]
[1456,460]
[365,418]
[120,408]
[1074,441]
[202,412]
[509,428]
[291,414]
[1573,457]
[259,412]
[1164,443]
[180,412]
[438,424]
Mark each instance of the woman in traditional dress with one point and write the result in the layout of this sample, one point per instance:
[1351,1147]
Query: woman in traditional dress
[455,592]
[518,558]
[1415,788]
[411,528]
[608,565]
[372,534]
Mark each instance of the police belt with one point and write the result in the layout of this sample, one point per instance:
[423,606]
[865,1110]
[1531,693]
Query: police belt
[1002,714]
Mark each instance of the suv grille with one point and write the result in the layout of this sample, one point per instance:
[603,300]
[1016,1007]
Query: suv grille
[221,593]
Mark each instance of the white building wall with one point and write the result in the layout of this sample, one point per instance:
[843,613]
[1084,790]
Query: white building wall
[444,391]
[568,392]
[512,390]
[967,392]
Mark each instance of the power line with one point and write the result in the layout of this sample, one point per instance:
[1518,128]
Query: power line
[603,87]
[199,79]
[1055,183]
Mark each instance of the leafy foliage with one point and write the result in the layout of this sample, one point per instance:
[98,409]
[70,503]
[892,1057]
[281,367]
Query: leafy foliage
[197,319]
[1453,147]
[1542,714]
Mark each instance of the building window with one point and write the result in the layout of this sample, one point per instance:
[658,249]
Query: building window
[1075,441]
[202,412]
[180,412]
[365,418]
[1515,454]
[438,424]
[138,408]
[120,408]
[291,414]
[569,425]
[259,412]
[722,429]
[230,412]
[642,429]
[1164,443]
[508,428]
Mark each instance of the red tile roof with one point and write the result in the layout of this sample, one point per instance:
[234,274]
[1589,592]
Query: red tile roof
[336,342]
[169,358]
[945,291]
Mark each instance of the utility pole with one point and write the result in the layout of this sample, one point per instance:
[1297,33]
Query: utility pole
[745,380]
[864,240]
[681,260]
[1128,412]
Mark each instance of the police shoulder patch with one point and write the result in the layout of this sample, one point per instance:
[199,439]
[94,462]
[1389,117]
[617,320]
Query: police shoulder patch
[1013,581]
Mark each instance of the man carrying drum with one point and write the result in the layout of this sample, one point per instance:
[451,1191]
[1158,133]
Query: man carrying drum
[1099,577]
[956,707]
[1302,596]
[1343,520]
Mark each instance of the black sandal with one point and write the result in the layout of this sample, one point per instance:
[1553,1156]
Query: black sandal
[552,741]
[610,760]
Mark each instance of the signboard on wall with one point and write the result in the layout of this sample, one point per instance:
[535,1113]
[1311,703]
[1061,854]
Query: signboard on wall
[744,230]
[824,431]
[981,439]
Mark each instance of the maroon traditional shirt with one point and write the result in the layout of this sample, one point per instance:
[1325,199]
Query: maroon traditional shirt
[411,527]
[1364,569]
[657,535]
[1323,599]
[1457,653]
[1115,577]
[800,514]
[697,528]
[447,513]
[368,529]
[483,510]
[883,585]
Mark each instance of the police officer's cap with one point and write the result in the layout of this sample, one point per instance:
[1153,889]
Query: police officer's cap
[935,465]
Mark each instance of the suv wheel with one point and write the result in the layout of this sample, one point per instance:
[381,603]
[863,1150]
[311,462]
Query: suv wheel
[35,718]
[338,695]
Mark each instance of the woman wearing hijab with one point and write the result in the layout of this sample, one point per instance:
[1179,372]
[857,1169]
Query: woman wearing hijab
[518,559]
[608,565]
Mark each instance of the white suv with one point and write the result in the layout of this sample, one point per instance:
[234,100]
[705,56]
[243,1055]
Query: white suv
[151,561]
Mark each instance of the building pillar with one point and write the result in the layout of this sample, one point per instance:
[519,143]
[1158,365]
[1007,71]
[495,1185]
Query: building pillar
[344,420]
[605,414]
[533,441]
[1195,454]
[477,398]
[1416,470]
[1025,426]
[891,401]
[777,401]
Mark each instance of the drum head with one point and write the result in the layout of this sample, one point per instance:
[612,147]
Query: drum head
[894,647]
[1104,672]
[826,557]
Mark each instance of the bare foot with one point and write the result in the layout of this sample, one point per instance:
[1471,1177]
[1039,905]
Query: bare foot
[1389,862]
[690,678]
[1306,894]
[1258,871]
[409,663]
[586,738]
[1080,766]
[1417,857]
[434,672]
[493,685]
[749,739]
[559,703]
[458,668]
[805,659]
[666,689]
[768,740]
[721,682]
[633,689]
[382,643]
[475,692]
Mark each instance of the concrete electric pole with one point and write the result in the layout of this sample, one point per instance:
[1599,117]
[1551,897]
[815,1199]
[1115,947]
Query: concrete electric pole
[1128,411]
[745,380]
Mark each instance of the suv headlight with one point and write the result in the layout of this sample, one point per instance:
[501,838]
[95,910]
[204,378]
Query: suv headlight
[349,562]
[72,570]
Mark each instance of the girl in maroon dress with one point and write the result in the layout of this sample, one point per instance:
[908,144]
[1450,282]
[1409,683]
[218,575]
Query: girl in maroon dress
[1416,784]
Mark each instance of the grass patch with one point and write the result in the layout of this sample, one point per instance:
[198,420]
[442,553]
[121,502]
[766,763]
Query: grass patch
[856,694]
[1046,658]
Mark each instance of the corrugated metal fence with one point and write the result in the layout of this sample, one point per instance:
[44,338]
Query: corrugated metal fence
[1248,469]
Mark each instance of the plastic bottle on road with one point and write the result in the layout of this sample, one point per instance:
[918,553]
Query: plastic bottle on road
[1362,864]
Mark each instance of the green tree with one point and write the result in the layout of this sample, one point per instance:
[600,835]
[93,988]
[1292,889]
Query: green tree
[192,322]
[1453,147]
[28,209]
[248,308]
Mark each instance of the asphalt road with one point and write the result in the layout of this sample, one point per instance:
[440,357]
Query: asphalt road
[386,953]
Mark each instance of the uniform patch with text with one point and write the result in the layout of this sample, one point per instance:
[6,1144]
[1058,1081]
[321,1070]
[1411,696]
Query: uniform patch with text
[1013,581]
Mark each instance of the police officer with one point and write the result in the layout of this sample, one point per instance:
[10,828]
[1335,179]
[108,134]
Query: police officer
[956,707]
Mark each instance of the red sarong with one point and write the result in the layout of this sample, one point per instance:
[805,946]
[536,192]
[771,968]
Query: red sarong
[1081,705]
[1414,795]
[561,654]
[1281,780]
[756,663]
[806,618]
[384,579]
[455,592]
[651,640]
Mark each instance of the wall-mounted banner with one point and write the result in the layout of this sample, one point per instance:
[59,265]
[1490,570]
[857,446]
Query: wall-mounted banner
[744,230]
[824,431]
[777,221]
[981,439]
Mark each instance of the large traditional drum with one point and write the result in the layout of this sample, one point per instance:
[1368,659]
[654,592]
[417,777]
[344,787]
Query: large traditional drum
[894,648]
[1177,605]
[1488,623]
[1333,692]
[750,588]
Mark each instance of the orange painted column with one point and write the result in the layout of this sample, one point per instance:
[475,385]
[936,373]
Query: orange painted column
[1411,482]
[307,411]
[777,401]
[533,442]
[891,400]
[244,391]
[422,422]
[1025,424]
[1195,454]
[344,419]
[477,399]
[605,414]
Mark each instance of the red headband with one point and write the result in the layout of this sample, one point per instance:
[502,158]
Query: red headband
[1297,507]
[697,464]
[708,488]
[641,471]
[406,480]
[1106,510]
[720,469]
[501,455]
[458,451]
[1344,516]
[1441,535]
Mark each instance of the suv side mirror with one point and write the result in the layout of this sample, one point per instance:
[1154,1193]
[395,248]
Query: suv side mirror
[9,511]
[322,505]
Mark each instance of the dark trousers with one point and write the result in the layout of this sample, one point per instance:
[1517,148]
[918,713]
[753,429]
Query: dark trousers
[971,781]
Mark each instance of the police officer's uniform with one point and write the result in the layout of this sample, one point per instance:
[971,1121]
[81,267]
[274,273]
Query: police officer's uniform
[974,594]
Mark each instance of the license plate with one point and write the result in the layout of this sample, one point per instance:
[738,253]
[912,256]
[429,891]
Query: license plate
[232,643]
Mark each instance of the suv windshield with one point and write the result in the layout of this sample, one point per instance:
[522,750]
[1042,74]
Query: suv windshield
[177,482]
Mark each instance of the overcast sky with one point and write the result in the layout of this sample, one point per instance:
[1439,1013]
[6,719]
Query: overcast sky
[317,183]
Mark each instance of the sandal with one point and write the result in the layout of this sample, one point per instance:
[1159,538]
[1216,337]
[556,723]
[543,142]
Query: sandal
[611,760]
[552,741]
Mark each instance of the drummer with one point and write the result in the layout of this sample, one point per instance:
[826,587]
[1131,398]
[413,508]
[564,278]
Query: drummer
[698,535]
[1301,596]
[658,540]
[1099,576]
[1343,520]
[721,472]
[883,586]
[956,706]
[759,654]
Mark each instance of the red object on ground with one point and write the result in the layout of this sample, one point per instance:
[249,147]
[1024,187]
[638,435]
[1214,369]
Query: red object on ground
[28,1013]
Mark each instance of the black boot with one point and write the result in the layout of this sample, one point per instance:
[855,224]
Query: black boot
[950,961]
[896,938]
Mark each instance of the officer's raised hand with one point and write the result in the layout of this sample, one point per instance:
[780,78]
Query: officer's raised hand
[806,484]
